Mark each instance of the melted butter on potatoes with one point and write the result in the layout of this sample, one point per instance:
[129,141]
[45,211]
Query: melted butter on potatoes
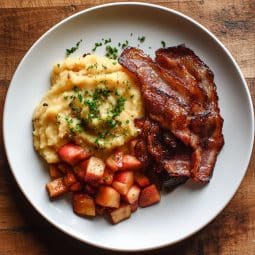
[92,101]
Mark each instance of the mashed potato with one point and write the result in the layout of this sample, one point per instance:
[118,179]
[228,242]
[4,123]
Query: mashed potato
[92,101]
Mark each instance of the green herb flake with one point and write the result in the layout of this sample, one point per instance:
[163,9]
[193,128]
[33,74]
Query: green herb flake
[107,40]
[73,49]
[141,39]
[125,44]
[111,52]
[97,44]
[163,43]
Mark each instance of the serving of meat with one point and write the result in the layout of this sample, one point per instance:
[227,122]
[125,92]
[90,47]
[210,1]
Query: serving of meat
[184,133]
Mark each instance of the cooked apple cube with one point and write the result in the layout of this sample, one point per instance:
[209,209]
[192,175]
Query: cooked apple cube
[122,181]
[79,170]
[132,194]
[73,154]
[130,162]
[64,167]
[120,214]
[149,195]
[69,179]
[84,205]
[100,210]
[75,187]
[108,197]
[56,188]
[141,179]
[90,190]
[134,206]
[114,161]
[94,169]
[54,171]
[107,177]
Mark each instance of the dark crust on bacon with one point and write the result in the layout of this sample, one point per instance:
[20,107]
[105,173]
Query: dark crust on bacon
[180,95]
[160,151]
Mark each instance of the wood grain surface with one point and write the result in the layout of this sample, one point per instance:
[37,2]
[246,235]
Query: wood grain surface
[22,230]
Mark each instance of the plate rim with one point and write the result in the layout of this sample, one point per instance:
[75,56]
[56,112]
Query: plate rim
[154,6]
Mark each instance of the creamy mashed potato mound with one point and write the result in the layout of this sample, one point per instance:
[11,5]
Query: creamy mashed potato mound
[93,101]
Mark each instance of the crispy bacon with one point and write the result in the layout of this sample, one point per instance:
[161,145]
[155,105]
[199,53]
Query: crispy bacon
[180,95]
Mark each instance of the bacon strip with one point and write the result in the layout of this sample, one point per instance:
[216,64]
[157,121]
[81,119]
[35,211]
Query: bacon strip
[179,94]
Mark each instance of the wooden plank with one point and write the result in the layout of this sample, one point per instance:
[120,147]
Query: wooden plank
[19,28]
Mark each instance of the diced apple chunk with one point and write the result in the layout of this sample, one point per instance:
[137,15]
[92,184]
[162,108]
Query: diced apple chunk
[114,161]
[64,167]
[134,206]
[108,197]
[84,205]
[130,163]
[132,194]
[149,195]
[122,181]
[69,179]
[56,188]
[141,179]
[94,169]
[75,187]
[107,177]
[120,214]
[73,154]
[80,169]
[54,171]
[90,190]
[100,210]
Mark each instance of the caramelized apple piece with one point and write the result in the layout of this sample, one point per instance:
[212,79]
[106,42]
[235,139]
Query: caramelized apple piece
[69,179]
[75,187]
[84,205]
[132,194]
[94,169]
[130,162]
[54,171]
[141,179]
[149,195]
[114,161]
[122,181]
[56,188]
[107,177]
[73,154]
[108,197]
[120,214]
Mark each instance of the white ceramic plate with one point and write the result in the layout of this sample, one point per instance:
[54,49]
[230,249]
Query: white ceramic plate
[188,208]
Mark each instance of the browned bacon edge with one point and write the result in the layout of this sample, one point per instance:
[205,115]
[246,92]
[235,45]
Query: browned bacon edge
[179,94]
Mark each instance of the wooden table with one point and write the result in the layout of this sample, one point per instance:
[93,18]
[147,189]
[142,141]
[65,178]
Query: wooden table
[24,231]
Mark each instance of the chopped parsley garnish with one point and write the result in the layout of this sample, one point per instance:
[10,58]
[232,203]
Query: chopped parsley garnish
[163,43]
[125,44]
[107,40]
[73,49]
[97,44]
[119,107]
[141,39]
[111,52]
